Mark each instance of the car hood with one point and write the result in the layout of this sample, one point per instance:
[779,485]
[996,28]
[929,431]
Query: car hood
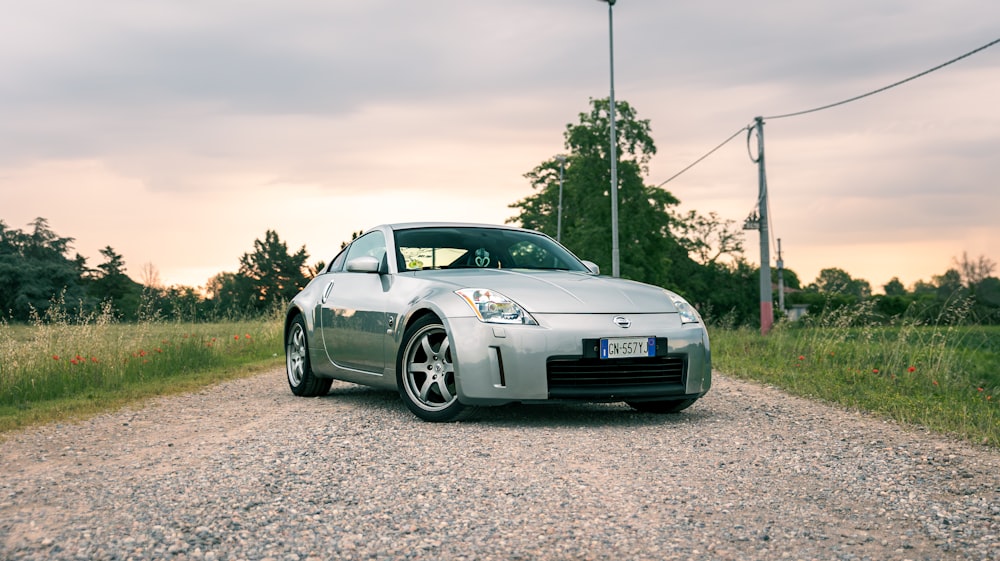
[560,292]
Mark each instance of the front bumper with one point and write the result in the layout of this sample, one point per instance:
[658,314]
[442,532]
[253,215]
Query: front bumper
[498,364]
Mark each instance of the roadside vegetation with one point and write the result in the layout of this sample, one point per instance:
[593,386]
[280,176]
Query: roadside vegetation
[63,366]
[945,377]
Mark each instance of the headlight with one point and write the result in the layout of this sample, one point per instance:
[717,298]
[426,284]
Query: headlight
[493,307]
[687,312]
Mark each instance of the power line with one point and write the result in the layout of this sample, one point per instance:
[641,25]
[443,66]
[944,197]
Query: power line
[696,162]
[890,86]
[855,98]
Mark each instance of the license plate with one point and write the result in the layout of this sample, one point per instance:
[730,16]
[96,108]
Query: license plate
[628,347]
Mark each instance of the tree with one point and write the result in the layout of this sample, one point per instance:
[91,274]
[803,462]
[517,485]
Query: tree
[922,287]
[839,282]
[949,284]
[649,251]
[894,287]
[726,294]
[988,300]
[151,276]
[230,295]
[974,271]
[181,303]
[316,268]
[274,275]
[110,283]
[790,277]
[35,269]
[708,238]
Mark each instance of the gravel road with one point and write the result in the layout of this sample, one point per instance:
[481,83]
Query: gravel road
[244,470]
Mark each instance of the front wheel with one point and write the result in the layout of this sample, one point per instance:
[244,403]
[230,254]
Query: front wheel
[662,406]
[425,372]
[301,379]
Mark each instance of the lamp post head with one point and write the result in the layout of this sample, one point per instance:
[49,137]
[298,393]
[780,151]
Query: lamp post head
[609,2]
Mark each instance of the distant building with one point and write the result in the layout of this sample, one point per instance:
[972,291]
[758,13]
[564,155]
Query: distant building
[795,312]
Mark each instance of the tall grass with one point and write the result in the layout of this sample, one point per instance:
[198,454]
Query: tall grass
[65,361]
[945,377]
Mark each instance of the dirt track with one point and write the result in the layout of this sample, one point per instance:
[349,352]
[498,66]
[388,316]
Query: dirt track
[244,470]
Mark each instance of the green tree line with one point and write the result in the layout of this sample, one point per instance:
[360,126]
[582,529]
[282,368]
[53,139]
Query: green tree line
[701,256]
[37,270]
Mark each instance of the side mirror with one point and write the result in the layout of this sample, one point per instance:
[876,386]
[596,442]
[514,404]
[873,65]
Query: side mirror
[364,264]
[592,266]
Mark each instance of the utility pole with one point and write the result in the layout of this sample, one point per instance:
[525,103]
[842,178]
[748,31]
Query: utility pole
[781,281]
[766,300]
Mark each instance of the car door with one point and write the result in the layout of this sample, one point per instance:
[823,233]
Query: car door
[353,305]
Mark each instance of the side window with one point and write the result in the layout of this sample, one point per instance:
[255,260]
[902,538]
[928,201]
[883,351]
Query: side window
[371,244]
[338,262]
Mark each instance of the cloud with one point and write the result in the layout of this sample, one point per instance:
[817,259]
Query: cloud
[184,130]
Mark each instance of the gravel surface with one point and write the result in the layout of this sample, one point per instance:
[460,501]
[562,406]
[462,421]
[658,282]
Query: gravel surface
[244,470]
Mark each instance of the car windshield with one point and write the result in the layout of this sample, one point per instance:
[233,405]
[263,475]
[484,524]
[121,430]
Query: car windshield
[482,248]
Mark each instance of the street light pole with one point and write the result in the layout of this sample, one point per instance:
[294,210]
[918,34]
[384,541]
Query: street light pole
[615,270]
[562,168]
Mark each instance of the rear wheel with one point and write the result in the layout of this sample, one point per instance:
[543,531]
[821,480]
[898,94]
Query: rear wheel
[301,379]
[662,406]
[425,372]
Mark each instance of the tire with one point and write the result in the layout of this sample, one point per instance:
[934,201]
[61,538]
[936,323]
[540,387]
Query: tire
[301,379]
[425,372]
[663,406]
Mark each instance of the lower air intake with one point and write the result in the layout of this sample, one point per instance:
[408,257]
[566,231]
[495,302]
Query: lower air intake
[593,378]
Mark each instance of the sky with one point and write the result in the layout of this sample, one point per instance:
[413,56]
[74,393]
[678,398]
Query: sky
[179,132]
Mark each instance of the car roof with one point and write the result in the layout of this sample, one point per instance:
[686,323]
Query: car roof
[412,225]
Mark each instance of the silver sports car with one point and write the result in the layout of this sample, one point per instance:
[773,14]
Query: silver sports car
[455,316]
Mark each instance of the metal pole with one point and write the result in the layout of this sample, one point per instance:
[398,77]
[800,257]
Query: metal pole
[615,269]
[562,168]
[766,300]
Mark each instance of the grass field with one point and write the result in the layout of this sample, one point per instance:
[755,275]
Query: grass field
[61,368]
[946,378]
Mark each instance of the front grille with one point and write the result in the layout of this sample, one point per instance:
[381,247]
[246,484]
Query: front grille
[593,378]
